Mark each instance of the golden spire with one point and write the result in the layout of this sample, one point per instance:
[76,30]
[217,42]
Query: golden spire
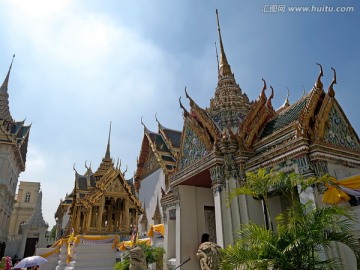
[224,67]
[107,154]
[4,86]
[217,57]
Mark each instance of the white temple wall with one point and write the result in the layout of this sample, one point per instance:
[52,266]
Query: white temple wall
[340,171]
[9,174]
[190,222]
[150,194]
[204,197]
[189,242]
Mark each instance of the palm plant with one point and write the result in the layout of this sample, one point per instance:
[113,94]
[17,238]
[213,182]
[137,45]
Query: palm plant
[303,231]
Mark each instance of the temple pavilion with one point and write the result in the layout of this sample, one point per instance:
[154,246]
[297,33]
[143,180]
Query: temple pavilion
[102,202]
[234,135]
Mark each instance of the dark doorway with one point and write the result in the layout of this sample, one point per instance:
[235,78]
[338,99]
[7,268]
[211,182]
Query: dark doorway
[30,247]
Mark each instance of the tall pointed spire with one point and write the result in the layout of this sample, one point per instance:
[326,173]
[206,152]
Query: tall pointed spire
[107,154]
[4,97]
[229,105]
[224,67]
[4,86]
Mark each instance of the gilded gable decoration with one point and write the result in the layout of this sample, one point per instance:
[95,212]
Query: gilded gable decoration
[322,118]
[307,116]
[197,126]
[193,148]
[202,117]
[339,132]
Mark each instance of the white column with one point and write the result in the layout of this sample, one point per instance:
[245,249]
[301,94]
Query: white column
[224,228]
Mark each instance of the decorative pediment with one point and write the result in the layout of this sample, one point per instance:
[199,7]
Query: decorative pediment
[339,131]
[116,187]
[151,164]
[193,148]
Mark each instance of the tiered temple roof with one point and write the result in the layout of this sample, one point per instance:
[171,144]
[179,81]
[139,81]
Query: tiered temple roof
[13,132]
[158,150]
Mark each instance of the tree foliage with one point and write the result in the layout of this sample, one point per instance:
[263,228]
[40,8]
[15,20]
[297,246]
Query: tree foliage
[303,231]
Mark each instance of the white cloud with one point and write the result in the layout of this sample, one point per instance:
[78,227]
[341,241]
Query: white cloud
[76,69]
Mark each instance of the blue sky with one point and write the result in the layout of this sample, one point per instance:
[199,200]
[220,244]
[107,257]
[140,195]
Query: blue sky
[81,64]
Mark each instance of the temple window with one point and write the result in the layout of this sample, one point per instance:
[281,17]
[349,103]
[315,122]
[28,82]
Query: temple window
[27,197]
[20,227]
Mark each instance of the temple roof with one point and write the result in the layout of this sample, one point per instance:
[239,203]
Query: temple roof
[13,132]
[163,146]
[285,117]
[174,136]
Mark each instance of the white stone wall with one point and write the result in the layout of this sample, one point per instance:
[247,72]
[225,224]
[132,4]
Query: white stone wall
[9,174]
[190,223]
[340,171]
[150,194]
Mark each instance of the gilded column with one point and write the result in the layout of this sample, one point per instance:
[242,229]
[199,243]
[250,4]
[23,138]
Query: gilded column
[89,213]
[109,218]
[100,214]
[127,214]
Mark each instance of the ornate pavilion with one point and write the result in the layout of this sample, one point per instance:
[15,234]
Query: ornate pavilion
[101,203]
[219,144]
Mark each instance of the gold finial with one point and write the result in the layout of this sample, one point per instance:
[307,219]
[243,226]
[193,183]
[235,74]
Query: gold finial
[224,67]
[288,93]
[263,96]
[125,170]
[331,89]
[287,102]
[146,130]
[74,168]
[87,168]
[318,83]
[268,103]
[186,93]
[142,121]
[187,96]
[186,113]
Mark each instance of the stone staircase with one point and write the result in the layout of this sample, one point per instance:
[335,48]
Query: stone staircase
[96,256]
